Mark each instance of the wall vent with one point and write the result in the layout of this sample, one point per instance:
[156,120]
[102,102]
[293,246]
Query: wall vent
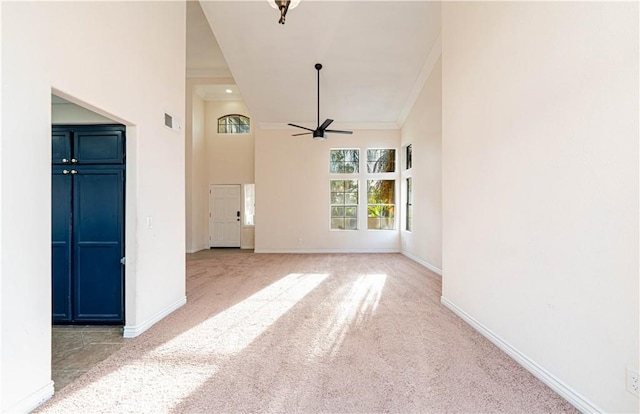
[171,122]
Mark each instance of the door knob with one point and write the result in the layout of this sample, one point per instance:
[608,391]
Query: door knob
[74,172]
[74,161]
[65,172]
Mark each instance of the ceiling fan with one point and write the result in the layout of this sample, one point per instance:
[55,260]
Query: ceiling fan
[319,132]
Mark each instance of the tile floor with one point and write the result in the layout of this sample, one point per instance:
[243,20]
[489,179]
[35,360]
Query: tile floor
[75,349]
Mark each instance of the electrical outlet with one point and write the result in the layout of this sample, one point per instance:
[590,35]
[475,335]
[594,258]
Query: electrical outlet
[633,382]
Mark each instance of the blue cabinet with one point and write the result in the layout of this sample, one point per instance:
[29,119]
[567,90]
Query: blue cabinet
[88,227]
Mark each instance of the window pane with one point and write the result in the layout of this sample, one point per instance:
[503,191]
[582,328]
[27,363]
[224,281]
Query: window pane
[337,185]
[409,204]
[249,204]
[386,224]
[381,204]
[234,124]
[351,186]
[337,224]
[344,203]
[408,157]
[337,198]
[344,161]
[381,160]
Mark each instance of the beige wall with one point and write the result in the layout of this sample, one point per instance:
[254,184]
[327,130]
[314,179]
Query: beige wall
[540,186]
[230,157]
[292,194]
[214,159]
[196,173]
[103,55]
[423,130]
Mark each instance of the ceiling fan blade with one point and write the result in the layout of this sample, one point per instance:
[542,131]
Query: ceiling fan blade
[335,131]
[298,126]
[303,133]
[325,124]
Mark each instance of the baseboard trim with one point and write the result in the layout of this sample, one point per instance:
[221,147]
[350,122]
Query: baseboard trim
[197,249]
[33,401]
[312,251]
[133,331]
[565,391]
[428,265]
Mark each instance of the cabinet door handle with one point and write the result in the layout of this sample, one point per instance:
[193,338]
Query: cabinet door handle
[74,161]
[65,172]
[65,161]
[74,172]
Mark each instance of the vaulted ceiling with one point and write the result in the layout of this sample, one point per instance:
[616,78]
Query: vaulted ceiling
[375,55]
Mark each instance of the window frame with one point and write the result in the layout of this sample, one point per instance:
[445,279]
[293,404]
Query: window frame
[395,161]
[387,205]
[344,205]
[357,172]
[227,125]
[408,216]
[244,205]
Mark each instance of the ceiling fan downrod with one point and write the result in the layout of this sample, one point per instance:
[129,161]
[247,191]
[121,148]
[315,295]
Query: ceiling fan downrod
[319,132]
[318,67]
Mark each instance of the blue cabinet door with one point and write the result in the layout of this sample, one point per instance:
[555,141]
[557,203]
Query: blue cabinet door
[98,145]
[60,146]
[87,210]
[98,232]
[61,244]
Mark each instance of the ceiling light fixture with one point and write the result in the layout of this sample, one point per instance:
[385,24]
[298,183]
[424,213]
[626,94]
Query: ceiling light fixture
[283,6]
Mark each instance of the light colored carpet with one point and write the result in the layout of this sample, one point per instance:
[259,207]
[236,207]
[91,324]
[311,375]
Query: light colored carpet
[308,333]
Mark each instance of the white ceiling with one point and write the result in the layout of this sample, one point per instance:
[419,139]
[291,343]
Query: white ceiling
[374,55]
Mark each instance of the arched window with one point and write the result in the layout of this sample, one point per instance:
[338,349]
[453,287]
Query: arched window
[233,124]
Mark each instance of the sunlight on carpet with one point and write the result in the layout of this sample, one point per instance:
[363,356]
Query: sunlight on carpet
[193,356]
[358,305]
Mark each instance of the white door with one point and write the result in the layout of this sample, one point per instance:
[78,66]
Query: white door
[224,215]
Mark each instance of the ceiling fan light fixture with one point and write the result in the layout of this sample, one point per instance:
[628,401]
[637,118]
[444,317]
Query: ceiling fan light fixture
[283,6]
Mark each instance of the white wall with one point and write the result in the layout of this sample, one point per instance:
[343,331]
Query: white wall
[118,64]
[292,194]
[196,172]
[423,130]
[540,186]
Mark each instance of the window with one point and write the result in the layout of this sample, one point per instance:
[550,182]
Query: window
[408,157]
[344,161]
[344,204]
[249,204]
[409,204]
[233,124]
[381,160]
[381,204]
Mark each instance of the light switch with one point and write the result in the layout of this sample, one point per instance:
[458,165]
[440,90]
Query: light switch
[149,222]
